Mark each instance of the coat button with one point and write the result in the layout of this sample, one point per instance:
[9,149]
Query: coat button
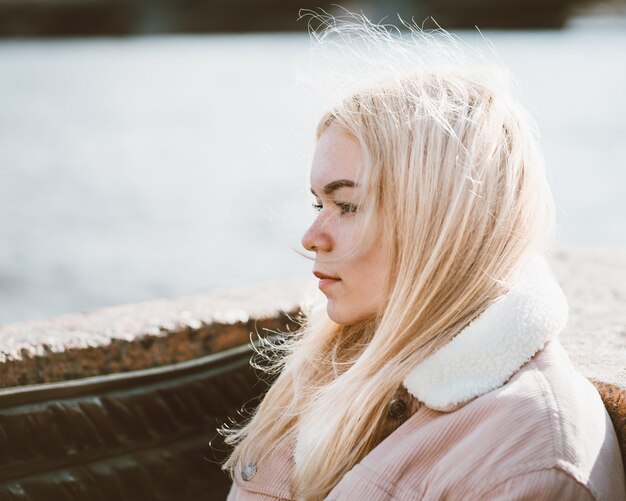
[249,471]
[397,408]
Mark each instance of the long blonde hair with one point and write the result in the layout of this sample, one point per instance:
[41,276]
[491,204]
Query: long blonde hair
[456,190]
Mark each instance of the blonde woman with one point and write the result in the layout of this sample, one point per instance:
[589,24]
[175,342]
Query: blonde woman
[434,370]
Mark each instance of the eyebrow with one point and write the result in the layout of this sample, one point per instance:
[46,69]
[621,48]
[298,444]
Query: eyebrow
[335,185]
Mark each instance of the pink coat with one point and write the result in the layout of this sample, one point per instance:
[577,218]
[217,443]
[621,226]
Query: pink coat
[487,427]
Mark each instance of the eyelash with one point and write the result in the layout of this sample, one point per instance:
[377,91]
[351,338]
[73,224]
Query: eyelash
[346,208]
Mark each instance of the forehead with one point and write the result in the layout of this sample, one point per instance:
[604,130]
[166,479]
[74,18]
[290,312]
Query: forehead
[337,156]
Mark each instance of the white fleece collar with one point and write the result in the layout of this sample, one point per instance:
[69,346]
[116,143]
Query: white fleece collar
[486,353]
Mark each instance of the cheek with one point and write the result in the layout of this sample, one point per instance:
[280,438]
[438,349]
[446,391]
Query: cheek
[374,273]
[366,287]
[345,241]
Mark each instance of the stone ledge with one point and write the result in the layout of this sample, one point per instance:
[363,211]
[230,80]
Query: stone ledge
[144,335]
[154,333]
[594,281]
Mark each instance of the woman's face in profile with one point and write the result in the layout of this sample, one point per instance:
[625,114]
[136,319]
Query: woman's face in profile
[356,287]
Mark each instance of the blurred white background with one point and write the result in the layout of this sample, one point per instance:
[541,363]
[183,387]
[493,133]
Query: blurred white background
[164,166]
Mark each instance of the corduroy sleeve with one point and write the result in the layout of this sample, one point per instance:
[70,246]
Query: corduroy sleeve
[550,484]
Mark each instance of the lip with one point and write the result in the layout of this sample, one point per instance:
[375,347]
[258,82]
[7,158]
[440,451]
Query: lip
[323,276]
[326,281]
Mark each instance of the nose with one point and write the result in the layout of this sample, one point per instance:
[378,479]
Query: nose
[317,237]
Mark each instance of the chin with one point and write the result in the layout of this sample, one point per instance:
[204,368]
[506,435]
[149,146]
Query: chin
[335,313]
[341,315]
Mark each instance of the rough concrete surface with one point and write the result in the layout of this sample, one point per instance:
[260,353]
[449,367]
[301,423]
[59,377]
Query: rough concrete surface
[594,281]
[139,336]
[168,331]
[143,335]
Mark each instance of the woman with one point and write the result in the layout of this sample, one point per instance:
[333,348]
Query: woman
[434,371]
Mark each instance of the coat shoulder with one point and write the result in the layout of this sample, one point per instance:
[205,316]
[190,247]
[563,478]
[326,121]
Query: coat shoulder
[547,417]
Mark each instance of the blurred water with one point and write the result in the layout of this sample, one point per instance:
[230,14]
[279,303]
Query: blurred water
[164,166]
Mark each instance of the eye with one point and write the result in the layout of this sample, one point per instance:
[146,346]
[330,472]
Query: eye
[317,207]
[346,208]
